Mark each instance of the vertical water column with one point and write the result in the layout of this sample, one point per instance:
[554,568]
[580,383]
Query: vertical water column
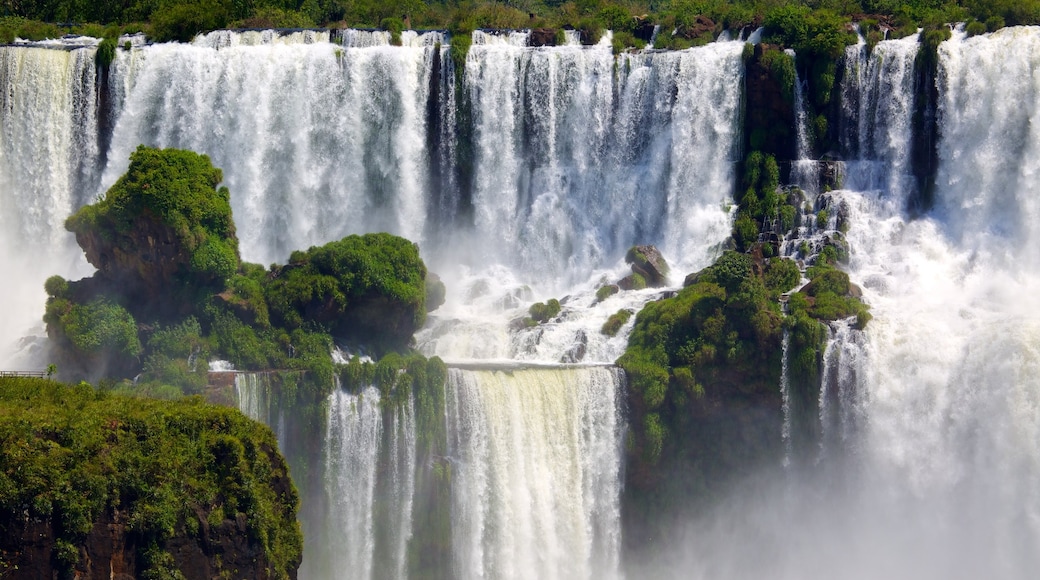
[48,168]
[317,140]
[878,99]
[536,472]
[346,544]
[805,171]
[578,156]
[843,390]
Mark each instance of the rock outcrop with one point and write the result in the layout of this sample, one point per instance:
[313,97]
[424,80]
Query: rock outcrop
[647,262]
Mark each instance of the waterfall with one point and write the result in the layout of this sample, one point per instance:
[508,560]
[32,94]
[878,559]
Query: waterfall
[785,395]
[843,394]
[317,140]
[48,160]
[253,393]
[536,469]
[805,171]
[351,457]
[878,93]
[574,162]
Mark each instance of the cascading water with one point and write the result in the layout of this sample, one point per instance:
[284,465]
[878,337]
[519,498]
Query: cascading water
[931,416]
[930,458]
[537,490]
[878,116]
[48,164]
[318,140]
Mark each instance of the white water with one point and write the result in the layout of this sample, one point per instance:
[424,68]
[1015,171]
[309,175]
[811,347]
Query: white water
[930,458]
[351,456]
[536,456]
[316,140]
[48,165]
[930,466]
[880,115]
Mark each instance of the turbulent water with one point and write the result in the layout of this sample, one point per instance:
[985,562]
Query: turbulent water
[928,463]
[929,460]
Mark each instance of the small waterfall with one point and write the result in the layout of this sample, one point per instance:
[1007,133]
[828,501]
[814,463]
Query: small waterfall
[843,392]
[878,93]
[48,168]
[253,392]
[785,394]
[805,171]
[351,457]
[536,472]
[401,490]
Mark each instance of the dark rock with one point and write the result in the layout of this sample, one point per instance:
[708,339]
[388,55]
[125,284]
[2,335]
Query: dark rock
[435,292]
[111,549]
[632,282]
[770,110]
[577,351]
[542,37]
[702,26]
[644,28]
[648,263]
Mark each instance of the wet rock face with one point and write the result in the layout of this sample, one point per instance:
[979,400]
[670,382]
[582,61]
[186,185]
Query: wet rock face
[111,550]
[542,37]
[647,262]
[770,113]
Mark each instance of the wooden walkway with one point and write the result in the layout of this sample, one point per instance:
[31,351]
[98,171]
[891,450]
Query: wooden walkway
[35,374]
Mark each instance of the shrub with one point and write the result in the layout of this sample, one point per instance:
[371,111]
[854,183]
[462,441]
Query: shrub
[615,322]
[975,28]
[781,275]
[101,326]
[106,52]
[181,22]
[544,312]
[56,287]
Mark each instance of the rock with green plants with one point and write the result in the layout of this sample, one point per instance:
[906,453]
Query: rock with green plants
[95,483]
[171,292]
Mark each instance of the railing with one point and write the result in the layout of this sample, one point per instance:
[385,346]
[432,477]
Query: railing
[36,374]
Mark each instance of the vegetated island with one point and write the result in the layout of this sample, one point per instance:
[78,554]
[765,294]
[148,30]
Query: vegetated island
[109,480]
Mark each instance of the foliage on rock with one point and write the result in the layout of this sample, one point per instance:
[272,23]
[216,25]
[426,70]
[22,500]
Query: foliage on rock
[162,225]
[74,456]
[170,291]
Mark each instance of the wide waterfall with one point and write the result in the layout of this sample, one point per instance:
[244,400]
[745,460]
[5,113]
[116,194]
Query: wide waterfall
[527,178]
[929,458]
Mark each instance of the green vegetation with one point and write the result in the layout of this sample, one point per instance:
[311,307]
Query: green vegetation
[543,312]
[74,456]
[604,292]
[720,334]
[761,202]
[615,322]
[166,210]
[813,28]
[171,292]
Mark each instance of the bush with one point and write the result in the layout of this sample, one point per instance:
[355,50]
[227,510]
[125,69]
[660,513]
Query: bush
[781,275]
[544,312]
[181,22]
[615,322]
[100,327]
[106,52]
[56,287]
[975,28]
